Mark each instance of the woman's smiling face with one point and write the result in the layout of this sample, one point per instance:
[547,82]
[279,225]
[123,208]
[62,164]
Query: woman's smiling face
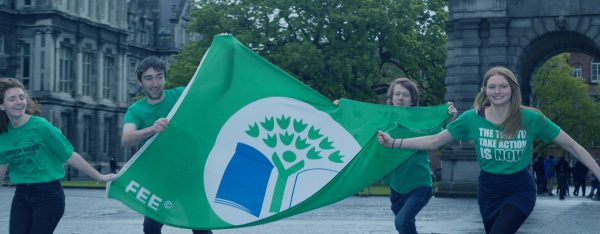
[498,90]
[14,102]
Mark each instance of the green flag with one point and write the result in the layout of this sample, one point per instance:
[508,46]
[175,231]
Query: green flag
[249,144]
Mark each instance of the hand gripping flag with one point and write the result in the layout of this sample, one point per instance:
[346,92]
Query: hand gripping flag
[249,144]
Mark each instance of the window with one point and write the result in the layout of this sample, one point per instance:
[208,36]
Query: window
[144,37]
[62,4]
[27,3]
[65,122]
[87,128]
[577,70]
[595,70]
[66,62]
[105,11]
[42,59]
[132,83]
[109,12]
[88,74]
[25,64]
[108,131]
[2,39]
[109,76]
[86,9]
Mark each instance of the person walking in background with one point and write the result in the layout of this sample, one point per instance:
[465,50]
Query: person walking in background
[549,167]
[594,186]
[503,132]
[113,165]
[540,177]
[579,178]
[562,174]
[146,117]
[34,152]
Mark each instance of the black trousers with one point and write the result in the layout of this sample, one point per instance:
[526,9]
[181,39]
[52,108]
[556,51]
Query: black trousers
[562,185]
[37,208]
[153,227]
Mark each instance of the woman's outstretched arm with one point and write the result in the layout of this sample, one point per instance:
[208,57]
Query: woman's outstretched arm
[430,142]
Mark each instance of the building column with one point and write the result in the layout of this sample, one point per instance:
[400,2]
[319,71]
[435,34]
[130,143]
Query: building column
[37,75]
[78,63]
[100,73]
[48,61]
[463,77]
[55,75]
[121,79]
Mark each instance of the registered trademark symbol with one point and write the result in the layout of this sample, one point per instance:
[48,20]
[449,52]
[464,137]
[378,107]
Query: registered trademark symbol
[168,204]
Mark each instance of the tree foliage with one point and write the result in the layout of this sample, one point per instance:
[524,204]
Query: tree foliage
[341,48]
[566,100]
[185,65]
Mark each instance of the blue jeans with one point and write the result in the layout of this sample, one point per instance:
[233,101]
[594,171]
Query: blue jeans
[407,206]
[153,227]
[37,208]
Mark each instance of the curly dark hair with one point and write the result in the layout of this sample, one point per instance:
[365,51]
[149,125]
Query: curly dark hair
[150,62]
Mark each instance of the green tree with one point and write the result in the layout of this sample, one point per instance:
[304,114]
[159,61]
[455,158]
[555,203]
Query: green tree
[341,48]
[184,67]
[566,100]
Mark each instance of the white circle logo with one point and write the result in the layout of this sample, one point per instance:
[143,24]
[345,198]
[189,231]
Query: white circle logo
[271,155]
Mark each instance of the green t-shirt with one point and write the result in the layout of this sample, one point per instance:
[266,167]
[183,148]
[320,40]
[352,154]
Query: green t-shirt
[413,173]
[34,152]
[503,156]
[143,115]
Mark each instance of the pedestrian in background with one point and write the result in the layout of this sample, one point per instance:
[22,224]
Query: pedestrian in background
[579,178]
[540,174]
[562,174]
[34,152]
[549,167]
[113,165]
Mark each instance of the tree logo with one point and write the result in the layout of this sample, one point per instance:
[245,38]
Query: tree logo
[271,155]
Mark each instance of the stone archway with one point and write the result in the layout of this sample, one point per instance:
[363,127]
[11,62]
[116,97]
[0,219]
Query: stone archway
[519,35]
[546,46]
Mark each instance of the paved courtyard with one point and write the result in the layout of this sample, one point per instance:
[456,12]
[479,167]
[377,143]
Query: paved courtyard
[89,212]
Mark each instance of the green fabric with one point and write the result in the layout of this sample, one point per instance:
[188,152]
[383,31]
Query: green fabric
[413,173]
[249,144]
[498,156]
[34,152]
[143,115]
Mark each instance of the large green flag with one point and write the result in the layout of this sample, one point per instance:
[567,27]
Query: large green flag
[249,144]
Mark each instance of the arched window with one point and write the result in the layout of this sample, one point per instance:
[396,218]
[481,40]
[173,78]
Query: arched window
[595,70]
[577,70]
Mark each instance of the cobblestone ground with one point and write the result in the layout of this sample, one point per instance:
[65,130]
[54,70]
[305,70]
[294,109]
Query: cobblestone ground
[89,212]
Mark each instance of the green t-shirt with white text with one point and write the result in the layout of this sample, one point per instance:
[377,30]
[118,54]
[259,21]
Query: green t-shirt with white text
[499,156]
[34,152]
[143,115]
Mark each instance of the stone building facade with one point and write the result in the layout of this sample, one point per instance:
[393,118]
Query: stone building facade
[77,59]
